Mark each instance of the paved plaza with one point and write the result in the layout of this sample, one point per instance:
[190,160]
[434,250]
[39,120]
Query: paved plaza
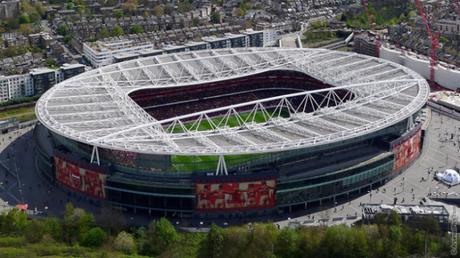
[441,150]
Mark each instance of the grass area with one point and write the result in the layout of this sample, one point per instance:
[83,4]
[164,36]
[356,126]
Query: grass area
[191,163]
[21,113]
[232,121]
[16,247]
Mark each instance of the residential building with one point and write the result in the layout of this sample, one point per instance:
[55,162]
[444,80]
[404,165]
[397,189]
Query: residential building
[254,38]
[101,53]
[36,82]
[15,86]
[449,27]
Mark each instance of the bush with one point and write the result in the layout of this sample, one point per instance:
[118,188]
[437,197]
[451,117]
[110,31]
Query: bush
[12,252]
[44,249]
[125,243]
[34,231]
[11,241]
[94,237]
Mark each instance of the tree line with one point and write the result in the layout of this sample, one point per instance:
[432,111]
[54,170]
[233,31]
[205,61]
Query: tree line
[77,234]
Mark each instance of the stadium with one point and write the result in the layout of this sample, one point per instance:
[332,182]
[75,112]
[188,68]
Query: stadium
[231,133]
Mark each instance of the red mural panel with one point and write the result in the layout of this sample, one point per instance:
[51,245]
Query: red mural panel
[236,195]
[407,151]
[80,179]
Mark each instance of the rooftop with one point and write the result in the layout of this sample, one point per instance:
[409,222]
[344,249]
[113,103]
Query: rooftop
[94,107]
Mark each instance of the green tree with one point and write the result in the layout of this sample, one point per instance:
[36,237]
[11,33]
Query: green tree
[53,227]
[213,246]
[136,28]
[161,235]
[93,237]
[76,223]
[125,243]
[118,13]
[51,63]
[14,221]
[34,231]
[215,17]
[62,29]
[24,18]
[117,31]
[103,33]
[184,6]
[286,243]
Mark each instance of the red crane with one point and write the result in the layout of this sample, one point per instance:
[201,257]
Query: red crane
[378,42]
[434,37]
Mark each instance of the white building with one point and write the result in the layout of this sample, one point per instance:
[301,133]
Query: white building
[102,53]
[36,82]
[271,37]
[16,86]
[449,27]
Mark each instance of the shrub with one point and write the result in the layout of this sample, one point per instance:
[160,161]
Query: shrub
[34,231]
[94,237]
[12,252]
[11,241]
[125,243]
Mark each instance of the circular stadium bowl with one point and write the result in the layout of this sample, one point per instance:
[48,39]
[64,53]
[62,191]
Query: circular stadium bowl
[255,131]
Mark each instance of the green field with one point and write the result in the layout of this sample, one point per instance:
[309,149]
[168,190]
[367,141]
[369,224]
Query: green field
[21,113]
[233,121]
[193,163]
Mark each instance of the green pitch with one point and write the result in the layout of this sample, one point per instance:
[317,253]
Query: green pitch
[232,121]
[205,163]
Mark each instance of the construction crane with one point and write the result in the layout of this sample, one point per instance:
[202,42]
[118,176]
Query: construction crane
[434,37]
[378,42]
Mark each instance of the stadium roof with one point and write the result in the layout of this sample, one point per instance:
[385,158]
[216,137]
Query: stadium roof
[94,107]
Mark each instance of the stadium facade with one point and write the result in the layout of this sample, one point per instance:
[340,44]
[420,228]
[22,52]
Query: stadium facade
[231,133]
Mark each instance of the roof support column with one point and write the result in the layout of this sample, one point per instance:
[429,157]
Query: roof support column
[95,155]
[221,166]
[410,122]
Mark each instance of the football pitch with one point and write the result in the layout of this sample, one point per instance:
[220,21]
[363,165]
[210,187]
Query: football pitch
[231,121]
[205,163]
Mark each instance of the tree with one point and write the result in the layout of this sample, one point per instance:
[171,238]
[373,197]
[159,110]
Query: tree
[94,237]
[24,18]
[103,33]
[215,17]
[76,223]
[136,28]
[14,221]
[51,63]
[62,29]
[168,9]
[239,12]
[130,5]
[34,231]
[117,31]
[184,6]
[25,29]
[161,235]
[286,243]
[53,227]
[158,10]
[125,243]
[118,13]
[213,246]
